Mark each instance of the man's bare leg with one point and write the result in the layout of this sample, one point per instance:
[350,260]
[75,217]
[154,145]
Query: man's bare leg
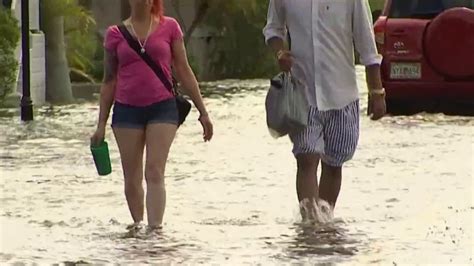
[331,179]
[307,183]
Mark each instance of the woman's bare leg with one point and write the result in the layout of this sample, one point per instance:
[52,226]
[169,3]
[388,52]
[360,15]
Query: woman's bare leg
[159,138]
[131,143]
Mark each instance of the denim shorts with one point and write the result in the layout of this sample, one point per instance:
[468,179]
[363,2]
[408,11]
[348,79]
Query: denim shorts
[128,116]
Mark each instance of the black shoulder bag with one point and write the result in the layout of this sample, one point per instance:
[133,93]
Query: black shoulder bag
[184,106]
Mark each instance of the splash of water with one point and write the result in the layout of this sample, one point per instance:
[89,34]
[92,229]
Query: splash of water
[313,211]
[141,231]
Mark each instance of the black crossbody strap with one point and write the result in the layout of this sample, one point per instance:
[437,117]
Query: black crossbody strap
[133,43]
[289,38]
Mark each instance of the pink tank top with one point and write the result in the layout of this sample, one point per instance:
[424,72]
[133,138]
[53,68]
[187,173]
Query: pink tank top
[137,84]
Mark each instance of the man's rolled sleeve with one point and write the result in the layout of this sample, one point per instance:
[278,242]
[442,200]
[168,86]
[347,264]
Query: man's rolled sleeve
[276,24]
[364,39]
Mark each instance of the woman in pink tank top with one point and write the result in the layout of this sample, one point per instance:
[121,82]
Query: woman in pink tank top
[145,113]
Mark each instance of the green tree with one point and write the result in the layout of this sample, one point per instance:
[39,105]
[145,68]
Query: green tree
[82,45]
[239,41]
[9,37]
[240,51]
[57,16]
[377,4]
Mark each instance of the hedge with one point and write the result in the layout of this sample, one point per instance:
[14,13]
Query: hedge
[9,37]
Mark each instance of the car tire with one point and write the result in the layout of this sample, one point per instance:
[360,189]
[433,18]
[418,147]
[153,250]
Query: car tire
[396,107]
[402,107]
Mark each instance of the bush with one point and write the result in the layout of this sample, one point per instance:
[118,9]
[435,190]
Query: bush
[79,36]
[376,4]
[9,37]
[240,51]
[83,47]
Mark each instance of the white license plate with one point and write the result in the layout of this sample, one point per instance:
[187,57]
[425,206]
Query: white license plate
[405,71]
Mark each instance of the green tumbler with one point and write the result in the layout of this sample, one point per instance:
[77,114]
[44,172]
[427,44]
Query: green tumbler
[102,158]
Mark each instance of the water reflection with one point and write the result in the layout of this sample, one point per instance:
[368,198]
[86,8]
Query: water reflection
[229,89]
[321,240]
[162,247]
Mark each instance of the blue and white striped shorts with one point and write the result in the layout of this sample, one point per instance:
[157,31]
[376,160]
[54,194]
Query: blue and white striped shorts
[332,134]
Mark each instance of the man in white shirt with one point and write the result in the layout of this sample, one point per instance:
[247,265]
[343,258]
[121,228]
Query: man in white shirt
[323,34]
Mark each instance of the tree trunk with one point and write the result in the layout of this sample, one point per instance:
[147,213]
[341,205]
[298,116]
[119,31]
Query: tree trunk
[125,9]
[177,9]
[58,83]
[200,15]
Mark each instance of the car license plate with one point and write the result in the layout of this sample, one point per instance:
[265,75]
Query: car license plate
[405,71]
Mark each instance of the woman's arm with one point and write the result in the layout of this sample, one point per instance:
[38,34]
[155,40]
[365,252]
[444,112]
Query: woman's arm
[190,86]
[186,76]
[107,92]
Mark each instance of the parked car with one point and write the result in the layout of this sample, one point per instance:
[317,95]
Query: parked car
[428,49]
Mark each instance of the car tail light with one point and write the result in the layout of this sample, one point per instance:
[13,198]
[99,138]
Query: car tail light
[379,30]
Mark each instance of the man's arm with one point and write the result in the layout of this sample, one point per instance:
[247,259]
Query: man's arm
[364,41]
[277,44]
[374,80]
[276,22]
[275,32]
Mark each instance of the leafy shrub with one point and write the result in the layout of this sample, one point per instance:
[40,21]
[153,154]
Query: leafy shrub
[9,37]
[79,34]
[240,52]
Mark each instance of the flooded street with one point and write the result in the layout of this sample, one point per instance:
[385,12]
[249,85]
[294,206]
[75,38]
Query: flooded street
[407,197]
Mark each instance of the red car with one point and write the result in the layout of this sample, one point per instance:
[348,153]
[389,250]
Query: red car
[428,50]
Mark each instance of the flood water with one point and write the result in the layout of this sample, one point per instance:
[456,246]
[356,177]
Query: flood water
[406,197]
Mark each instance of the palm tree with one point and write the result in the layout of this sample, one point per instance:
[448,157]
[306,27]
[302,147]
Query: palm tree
[53,14]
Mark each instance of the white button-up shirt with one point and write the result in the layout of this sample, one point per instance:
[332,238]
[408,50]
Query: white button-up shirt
[323,34]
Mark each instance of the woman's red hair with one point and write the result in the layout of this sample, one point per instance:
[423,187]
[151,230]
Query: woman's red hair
[158,9]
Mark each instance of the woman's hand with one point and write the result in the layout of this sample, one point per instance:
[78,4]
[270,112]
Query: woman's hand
[208,128]
[98,136]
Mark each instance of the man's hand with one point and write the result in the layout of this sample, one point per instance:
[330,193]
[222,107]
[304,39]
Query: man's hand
[377,106]
[285,60]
